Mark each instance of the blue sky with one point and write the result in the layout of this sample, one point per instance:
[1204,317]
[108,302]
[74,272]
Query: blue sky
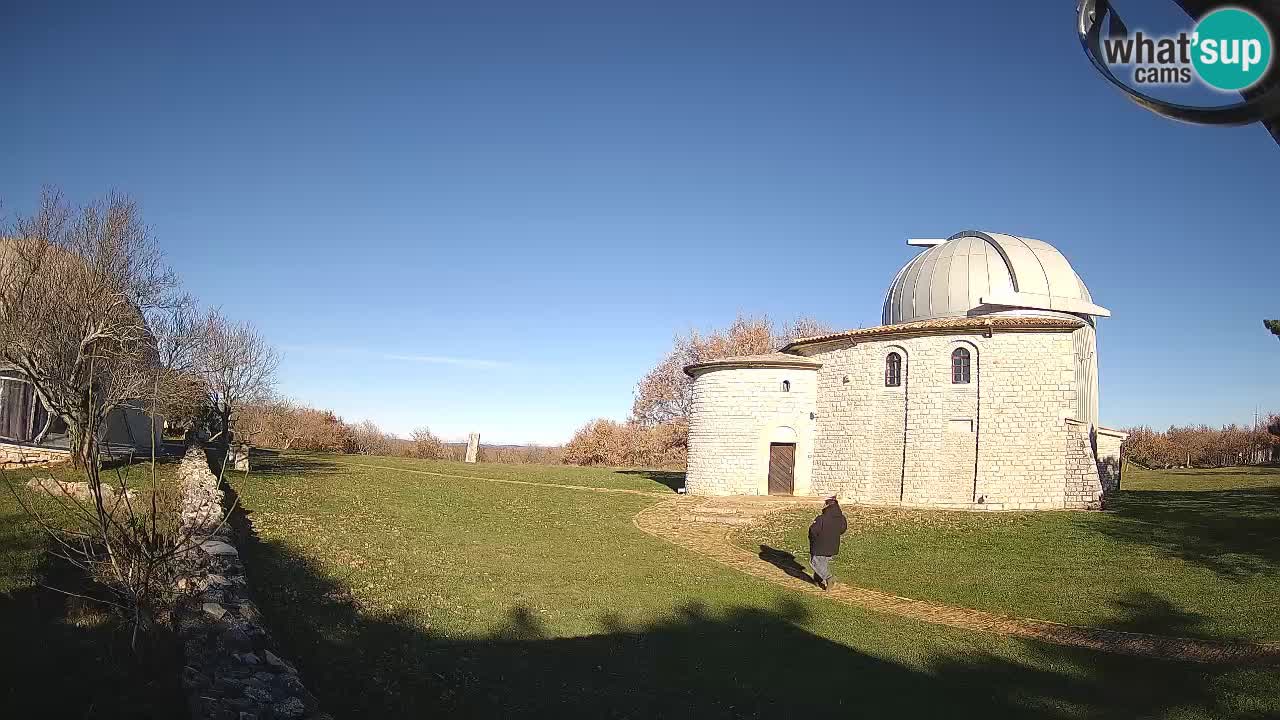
[495,216]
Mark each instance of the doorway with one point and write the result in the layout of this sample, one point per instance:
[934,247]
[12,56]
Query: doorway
[782,468]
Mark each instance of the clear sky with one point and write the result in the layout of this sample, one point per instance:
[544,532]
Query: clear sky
[494,216]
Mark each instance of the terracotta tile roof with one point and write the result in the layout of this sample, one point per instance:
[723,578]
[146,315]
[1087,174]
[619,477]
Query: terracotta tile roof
[984,323]
[777,359]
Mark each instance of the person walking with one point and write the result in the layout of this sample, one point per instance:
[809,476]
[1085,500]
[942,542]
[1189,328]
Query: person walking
[824,541]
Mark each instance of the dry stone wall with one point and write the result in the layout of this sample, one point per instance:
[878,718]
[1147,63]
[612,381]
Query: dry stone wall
[231,673]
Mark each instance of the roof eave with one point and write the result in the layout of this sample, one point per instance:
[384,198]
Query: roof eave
[984,326]
[800,363]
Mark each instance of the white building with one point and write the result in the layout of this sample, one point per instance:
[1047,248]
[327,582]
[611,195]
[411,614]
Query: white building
[978,391]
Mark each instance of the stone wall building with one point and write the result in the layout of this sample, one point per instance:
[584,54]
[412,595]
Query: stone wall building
[978,391]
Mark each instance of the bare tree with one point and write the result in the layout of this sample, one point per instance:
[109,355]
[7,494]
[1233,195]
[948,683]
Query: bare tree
[78,289]
[237,367]
[425,445]
[1203,446]
[665,393]
[606,442]
[181,394]
[91,318]
[287,425]
[371,440]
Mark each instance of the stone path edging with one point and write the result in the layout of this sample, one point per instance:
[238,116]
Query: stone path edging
[669,521]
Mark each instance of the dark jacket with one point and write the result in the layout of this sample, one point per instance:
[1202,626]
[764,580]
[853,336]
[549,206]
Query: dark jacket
[825,532]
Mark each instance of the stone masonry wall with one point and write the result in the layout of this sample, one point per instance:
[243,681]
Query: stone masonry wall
[1083,489]
[1109,459]
[19,455]
[230,672]
[995,443]
[880,481]
[942,420]
[736,413]
[1028,392]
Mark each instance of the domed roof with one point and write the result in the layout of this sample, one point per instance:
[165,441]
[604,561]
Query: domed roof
[978,273]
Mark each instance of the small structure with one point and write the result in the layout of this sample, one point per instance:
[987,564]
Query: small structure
[238,456]
[29,435]
[473,447]
[978,391]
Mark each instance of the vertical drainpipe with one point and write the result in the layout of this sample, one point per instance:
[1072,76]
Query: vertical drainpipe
[977,416]
[906,412]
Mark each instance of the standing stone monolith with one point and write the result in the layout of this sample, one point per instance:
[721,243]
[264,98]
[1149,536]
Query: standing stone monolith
[473,447]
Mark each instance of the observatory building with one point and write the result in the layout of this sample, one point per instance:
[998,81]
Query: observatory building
[979,391]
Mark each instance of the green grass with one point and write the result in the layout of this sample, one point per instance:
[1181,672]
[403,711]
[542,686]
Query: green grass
[405,595]
[622,479]
[1191,553]
[65,656]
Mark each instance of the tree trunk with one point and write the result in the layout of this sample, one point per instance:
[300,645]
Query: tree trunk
[83,445]
[48,423]
[226,425]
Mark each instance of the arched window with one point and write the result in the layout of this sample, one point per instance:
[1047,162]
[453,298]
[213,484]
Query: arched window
[893,370]
[960,365]
[786,386]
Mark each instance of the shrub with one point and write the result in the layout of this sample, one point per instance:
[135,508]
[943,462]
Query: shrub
[1203,446]
[609,443]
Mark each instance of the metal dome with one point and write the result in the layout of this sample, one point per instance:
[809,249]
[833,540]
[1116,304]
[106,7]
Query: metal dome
[978,273]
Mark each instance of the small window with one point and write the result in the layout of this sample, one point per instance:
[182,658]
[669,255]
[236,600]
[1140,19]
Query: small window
[786,386]
[960,366]
[893,370]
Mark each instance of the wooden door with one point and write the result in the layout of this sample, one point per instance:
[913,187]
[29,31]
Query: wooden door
[782,468]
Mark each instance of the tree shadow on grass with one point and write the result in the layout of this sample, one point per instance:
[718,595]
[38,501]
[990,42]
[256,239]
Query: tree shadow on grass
[671,478]
[70,657]
[1146,612]
[274,462]
[697,662]
[1235,533]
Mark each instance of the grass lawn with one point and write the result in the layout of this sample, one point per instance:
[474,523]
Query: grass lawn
[1185,552]
[65,657]
[628,479]
[405,595]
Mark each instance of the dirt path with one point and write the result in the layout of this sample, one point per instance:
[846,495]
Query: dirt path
[704,526]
